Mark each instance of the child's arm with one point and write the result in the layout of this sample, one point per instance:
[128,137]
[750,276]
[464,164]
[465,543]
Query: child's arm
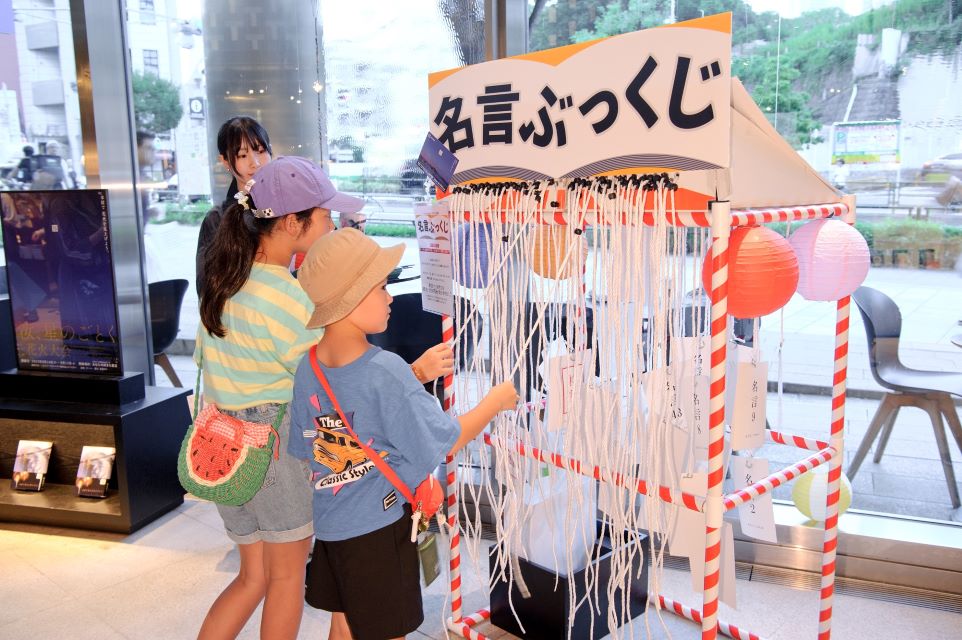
[435,362]
[502,397]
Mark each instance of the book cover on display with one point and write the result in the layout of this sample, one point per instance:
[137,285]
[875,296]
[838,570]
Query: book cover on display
[437,161]
[30,465]
[61,280]
[96,464]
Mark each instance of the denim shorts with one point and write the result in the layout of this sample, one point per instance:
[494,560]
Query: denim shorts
[282,510]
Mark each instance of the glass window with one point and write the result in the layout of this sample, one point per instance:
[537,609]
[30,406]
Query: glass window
[151,62]
[869,94]
[147,15]
[344,98]
[38,94]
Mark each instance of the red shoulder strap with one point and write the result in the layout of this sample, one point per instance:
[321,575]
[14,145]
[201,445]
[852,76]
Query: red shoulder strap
[382,466]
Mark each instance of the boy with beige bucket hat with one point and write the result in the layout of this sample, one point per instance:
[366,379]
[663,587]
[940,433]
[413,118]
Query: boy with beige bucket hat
[351,397]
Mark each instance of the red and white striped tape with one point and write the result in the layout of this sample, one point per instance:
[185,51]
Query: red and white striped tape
[694,615]
[451,486]
[762,216]
[801,442]
[667,494]
[465,629]
[559,217]
[752,491]
[742,217]
[830,543]
[721,228]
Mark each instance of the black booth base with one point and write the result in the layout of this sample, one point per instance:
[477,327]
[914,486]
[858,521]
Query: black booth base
[72,387]
[545,614]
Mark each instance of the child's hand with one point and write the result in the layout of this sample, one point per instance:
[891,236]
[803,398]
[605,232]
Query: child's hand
[435,362]
[505,396]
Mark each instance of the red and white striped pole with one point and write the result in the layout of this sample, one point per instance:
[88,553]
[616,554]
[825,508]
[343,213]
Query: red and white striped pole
[694,615]
[451,470]
[839,380]
[714,510]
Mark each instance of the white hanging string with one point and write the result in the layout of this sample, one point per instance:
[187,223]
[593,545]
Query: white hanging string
[633,272]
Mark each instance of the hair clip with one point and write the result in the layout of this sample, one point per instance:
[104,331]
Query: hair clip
[243,195]
[261,213]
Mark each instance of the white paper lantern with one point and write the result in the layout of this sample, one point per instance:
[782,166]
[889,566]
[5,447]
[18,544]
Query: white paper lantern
[833,259]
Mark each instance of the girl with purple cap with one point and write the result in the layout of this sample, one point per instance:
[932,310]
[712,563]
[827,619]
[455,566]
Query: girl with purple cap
[252,338]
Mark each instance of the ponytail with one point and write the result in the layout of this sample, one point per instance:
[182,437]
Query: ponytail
[229,259]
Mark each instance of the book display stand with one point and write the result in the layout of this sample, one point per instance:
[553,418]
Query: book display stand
[146,432]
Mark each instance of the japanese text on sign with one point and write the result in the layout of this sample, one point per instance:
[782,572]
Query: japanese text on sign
[654,98]
[433,226]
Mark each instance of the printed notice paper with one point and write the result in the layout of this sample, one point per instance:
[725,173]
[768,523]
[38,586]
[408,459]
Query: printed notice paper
[433,225]
[758,516]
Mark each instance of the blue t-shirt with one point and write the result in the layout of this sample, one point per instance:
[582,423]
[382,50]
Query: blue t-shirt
[392,413]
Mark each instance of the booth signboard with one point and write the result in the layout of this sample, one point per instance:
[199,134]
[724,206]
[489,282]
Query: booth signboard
[868,142]
[61,281]
[653,99]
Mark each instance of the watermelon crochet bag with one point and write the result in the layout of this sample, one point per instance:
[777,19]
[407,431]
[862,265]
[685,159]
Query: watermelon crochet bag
[225,459]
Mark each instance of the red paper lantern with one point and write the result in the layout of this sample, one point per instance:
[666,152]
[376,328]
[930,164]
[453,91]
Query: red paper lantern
[762,272]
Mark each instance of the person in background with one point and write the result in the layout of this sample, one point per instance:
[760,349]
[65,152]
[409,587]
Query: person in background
[840,174]
[146,153]
[51,170]
[26,166]
[244,146]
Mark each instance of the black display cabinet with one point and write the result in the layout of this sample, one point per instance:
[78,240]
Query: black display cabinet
[144,425]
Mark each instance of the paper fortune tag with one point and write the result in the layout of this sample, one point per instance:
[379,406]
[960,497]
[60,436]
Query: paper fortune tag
[691,371]
[726,588]
[748,415]
[687,535]
[758,516]
[564,372]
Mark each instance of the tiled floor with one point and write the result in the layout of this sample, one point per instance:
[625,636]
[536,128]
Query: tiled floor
[159,582]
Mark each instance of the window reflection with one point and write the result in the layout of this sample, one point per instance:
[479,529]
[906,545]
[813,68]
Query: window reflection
[868,93]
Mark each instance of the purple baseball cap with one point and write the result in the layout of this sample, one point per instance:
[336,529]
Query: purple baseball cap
[289,184]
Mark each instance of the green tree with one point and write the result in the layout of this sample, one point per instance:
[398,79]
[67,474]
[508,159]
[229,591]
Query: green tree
[776,93]
[157,107]
[632,15]
[555,25]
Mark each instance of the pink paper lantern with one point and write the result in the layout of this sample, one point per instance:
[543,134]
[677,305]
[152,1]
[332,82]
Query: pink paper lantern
[833,259]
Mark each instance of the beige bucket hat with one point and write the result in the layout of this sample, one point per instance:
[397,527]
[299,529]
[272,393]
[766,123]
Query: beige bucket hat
[340,269]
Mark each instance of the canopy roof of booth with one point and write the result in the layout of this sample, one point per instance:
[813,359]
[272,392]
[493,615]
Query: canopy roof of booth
[765,170]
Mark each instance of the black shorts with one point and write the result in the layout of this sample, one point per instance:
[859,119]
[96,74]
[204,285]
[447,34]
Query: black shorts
[374,579]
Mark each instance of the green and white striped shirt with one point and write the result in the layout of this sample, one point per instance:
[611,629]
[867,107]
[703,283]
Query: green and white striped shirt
[266,339]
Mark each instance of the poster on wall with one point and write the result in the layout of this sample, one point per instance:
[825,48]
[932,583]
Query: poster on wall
[61,280]
[653,99]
